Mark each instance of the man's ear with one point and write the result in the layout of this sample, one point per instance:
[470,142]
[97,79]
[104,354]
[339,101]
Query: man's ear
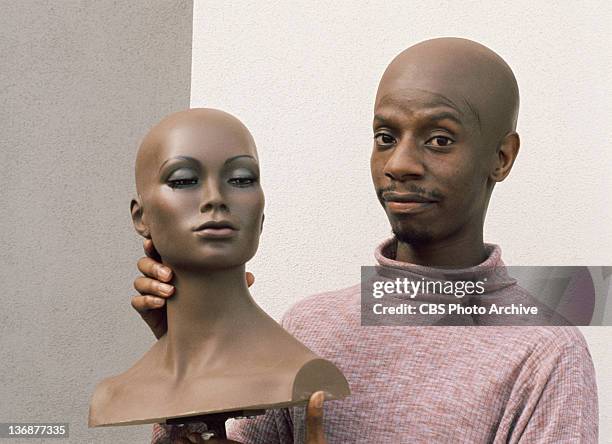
[505,156]
[137,217]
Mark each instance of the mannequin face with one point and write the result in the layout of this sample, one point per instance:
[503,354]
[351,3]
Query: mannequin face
[202,202]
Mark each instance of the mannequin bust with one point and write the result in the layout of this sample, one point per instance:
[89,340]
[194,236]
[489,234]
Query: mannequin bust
[201,202]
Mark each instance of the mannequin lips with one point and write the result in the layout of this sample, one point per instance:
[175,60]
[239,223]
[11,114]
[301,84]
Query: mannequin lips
[212,229]
[406,203]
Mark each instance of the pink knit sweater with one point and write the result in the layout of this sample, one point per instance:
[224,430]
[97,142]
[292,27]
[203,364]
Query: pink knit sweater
[435,384]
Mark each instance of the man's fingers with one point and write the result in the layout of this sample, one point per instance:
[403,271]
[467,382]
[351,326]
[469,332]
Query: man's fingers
[153,269]
[314,419]
[250,278]
[148,286]
[152,313]
[145,303]
[191,439]
[220,441]
[196,438]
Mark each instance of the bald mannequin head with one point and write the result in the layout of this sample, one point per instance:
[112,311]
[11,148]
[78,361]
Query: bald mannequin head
[444,129]
[194,167]
[211,126]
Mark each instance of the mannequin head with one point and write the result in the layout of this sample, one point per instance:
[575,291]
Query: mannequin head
[444,132]
[196,167]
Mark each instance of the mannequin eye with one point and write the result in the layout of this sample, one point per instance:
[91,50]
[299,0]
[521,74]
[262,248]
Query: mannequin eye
[182,178]
[242,181]
[182,183]
[242,177]
[384,139]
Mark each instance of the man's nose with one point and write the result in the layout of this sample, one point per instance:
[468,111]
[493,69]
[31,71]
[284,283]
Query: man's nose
[405,162]
[212,197]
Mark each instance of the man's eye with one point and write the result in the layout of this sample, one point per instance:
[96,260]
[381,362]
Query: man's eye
[384,139]
[242,181]
[182,183]
[440,141]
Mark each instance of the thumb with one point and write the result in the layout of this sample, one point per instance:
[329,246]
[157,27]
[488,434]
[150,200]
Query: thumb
[314,419]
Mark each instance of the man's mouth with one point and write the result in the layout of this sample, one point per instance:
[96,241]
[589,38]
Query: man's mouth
[406,203]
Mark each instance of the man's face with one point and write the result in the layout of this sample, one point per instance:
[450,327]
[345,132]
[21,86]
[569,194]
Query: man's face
[429,163]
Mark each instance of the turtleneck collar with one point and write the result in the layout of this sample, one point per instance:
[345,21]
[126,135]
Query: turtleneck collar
[492,269]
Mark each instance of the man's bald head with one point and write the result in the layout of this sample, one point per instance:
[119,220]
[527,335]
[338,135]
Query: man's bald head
[188,130]
[444,135]
[468,75]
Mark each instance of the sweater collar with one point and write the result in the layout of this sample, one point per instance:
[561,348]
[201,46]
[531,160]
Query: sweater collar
[492,269]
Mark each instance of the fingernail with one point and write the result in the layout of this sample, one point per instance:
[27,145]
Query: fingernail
[158,301]
[319,400]
[164,273]
[165,288]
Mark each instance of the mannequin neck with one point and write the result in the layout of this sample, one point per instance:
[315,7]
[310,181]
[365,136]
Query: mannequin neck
[208,310]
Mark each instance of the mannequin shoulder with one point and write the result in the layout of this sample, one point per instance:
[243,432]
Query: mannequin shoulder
[103,398]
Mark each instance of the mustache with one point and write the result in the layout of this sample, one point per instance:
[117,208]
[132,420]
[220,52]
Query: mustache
[432,194]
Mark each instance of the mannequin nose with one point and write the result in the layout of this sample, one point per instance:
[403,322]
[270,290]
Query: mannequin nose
[212,198]
[406,162]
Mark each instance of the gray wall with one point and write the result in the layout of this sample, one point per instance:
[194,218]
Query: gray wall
[80,83]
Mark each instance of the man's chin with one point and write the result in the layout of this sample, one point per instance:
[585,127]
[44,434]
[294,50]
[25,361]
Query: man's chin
[413,236]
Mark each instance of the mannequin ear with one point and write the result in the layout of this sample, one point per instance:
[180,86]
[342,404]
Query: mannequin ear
[505,157]
[263,216]
[137,217]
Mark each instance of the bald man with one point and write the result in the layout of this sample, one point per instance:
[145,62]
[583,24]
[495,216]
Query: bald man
[444,134]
